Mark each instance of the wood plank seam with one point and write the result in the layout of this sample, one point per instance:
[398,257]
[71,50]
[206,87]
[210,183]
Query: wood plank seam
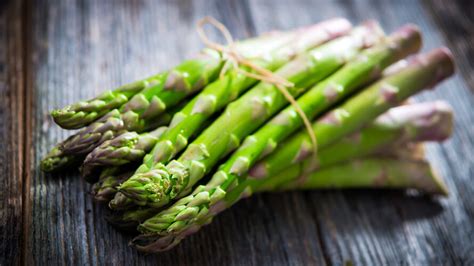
[27,97]
[13,139]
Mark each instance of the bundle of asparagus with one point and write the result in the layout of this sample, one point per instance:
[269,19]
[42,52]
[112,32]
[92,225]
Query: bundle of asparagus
[170,152]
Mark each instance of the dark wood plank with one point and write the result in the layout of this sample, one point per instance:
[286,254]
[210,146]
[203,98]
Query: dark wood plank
[456,21]
[80,48]
[12,132]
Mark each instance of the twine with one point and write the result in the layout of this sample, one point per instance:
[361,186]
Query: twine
[262,74]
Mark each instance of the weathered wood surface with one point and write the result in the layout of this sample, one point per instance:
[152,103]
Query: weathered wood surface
[13,161]
[55,52]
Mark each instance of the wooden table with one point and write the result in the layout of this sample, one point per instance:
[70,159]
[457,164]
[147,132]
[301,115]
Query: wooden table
[56,52]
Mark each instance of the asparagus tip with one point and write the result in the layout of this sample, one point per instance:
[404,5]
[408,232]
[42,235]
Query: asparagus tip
[441,127]
[120,202]
[429,121]
[151,243]
[104,194]
[409,29]
[70,119]
[58,114]
[446,62]
[152,187]
[412,34]
[56,162]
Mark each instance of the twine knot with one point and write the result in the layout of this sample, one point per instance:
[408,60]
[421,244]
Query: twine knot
[235,59]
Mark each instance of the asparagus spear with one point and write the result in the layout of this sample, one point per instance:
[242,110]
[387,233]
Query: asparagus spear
[403,42]
[424,71]
[143,111]
[163,183]
[363,69]
[335,176]
[126,148]
[364,173]
[83,113]
[131,218]
[216,96]
[165,90]
[186,216]
[120,202]
[57,160]
[431,121]
[109,178]
[374,173]
[387,135]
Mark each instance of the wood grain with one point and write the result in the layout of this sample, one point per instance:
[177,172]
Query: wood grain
[13,160]
[55,52]
[456,21]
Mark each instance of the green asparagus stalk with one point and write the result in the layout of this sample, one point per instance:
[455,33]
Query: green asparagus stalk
[389,135]
[109,178]
[431,121]
[126,148]
[366,173]
[373,173]
[57,160]
[144,108]
[424,71]
[186,216]
[362,70]
[143,111]
[217,95]
[83,113]
[166,90]
[163,183]
[131,218]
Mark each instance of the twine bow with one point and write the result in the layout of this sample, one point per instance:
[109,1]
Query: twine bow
[235,59]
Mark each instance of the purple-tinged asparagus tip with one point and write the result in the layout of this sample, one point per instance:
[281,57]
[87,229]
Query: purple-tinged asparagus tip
[437,123]
[153,243]
[433,121]
[105,194]
[442,57]
[408,30]
[409,37]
